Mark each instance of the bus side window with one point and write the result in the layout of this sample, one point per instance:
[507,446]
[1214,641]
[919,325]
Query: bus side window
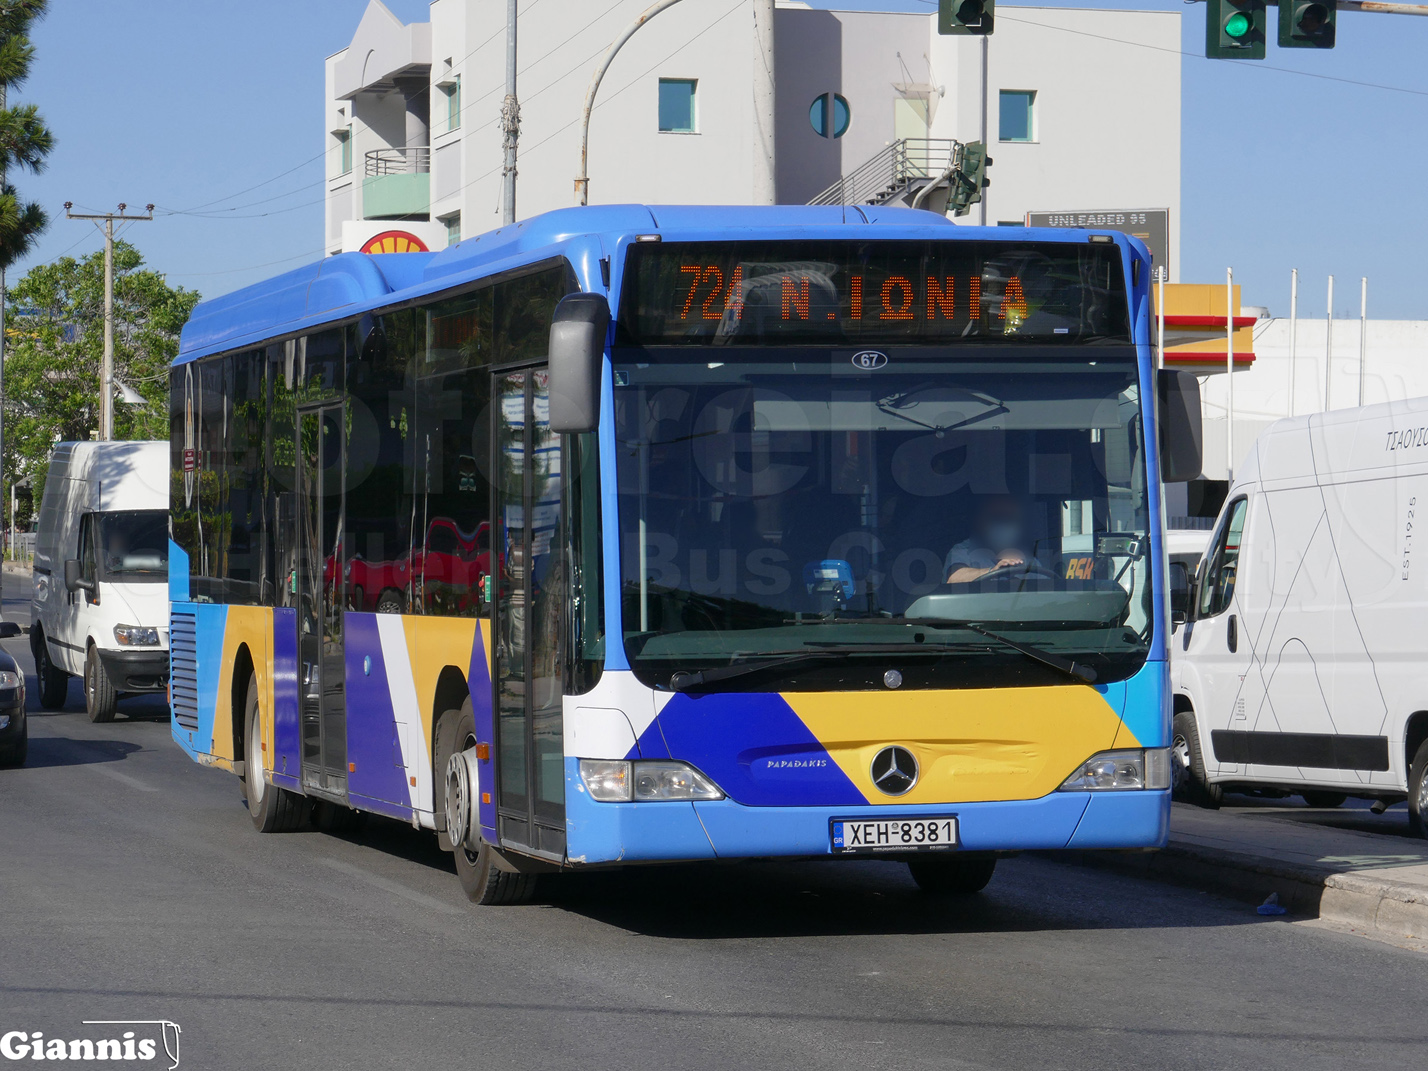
[1218,588]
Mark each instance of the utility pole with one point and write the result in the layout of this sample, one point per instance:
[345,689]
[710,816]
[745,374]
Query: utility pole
[106,376]
[510,119]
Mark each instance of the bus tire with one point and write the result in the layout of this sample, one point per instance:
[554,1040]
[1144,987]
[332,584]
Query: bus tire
[272,809]
[1324,798]
[1418,792]
[1188,779]
[482,878]
[54,682]
[101,702]
[952,874]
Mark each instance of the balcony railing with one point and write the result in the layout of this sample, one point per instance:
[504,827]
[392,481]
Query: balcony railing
[415,160]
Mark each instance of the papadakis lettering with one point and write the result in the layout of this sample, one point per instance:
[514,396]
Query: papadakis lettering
[1408,439]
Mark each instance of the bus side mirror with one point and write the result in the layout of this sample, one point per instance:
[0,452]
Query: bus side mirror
[577,350]
[1181,433]
[1179,593]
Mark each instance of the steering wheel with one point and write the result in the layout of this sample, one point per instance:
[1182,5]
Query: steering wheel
[1022,569]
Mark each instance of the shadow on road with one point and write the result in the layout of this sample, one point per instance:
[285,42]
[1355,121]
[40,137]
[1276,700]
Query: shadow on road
[62,751]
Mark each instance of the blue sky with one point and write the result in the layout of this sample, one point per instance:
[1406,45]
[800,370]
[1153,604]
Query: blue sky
[1286,163]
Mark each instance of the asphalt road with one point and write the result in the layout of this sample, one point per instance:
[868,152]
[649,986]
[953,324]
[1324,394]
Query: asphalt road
[132,886]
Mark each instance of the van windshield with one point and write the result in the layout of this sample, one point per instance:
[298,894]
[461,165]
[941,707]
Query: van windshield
[134,545]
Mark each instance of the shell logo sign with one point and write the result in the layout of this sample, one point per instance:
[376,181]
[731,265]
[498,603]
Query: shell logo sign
[394,242]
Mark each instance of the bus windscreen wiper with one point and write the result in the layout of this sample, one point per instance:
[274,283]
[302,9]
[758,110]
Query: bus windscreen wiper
[1046,658]
[688,680]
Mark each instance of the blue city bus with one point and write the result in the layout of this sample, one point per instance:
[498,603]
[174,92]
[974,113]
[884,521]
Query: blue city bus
[641,534]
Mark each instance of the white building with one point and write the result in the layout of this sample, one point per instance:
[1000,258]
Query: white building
[1081,109]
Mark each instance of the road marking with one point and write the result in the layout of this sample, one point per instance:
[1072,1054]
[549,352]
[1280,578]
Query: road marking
[132,782]
[396,888]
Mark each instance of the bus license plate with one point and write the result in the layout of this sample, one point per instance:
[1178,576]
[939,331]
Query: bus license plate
[893,834]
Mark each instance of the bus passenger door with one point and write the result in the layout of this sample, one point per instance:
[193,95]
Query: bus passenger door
[528,621]
[319,601]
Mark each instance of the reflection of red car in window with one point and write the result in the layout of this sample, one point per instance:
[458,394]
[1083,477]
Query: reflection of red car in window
[444,575]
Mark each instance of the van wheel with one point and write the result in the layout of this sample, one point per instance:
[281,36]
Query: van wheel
[482,878]
[272,809]
[100,699]
[1188,780]
[955,875]
[1324,798]
[54,682]
[1418,792]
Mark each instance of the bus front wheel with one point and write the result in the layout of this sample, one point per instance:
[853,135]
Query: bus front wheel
[272,809]
[482,877]
[952,874]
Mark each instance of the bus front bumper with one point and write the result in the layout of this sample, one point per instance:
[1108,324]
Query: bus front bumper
[603,833]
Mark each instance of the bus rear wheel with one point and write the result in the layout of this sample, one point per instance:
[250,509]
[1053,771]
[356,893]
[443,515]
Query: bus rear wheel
[483,879]
[952,875]
[272,809]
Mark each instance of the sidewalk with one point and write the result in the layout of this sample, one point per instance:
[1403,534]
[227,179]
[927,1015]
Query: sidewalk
[1370,881]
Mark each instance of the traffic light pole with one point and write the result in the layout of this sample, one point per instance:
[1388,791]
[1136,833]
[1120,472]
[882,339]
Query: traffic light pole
[1230,375]
[1293,331]
[1329,346]
[106,375]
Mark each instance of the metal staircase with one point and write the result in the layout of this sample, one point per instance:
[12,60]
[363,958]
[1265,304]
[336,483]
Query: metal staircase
[897,174]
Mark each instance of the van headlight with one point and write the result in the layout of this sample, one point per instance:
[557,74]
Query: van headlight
[645,781]
[1118,771]
[136,636]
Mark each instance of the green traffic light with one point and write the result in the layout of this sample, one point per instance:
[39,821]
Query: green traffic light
[1237,25]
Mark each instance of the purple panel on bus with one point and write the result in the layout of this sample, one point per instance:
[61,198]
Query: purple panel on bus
[478,679]
[287,726]
[372,744]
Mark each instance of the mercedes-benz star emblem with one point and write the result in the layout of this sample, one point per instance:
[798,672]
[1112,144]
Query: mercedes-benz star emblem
[894,770]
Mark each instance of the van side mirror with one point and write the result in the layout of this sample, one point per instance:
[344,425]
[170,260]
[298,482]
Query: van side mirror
[577,352]
[74,577]
[1179,593]
[1181,432]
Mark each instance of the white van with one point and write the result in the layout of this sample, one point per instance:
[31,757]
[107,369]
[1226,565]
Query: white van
[1303,664]
[101,601]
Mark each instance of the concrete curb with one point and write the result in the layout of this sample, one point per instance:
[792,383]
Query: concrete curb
[1365,901]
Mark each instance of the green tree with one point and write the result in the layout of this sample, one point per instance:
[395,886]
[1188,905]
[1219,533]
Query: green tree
[25,141]
[54,326]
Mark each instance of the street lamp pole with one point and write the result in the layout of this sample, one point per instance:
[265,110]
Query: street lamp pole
[582,181]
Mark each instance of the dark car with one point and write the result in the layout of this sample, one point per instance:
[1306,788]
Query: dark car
[14,730]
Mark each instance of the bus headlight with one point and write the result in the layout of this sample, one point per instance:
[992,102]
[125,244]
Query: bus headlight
[645,781]
[1117,771]
[136,636]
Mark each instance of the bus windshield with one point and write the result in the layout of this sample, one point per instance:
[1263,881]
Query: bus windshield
[905,510]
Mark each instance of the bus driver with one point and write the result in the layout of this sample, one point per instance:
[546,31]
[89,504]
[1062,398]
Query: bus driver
[998,532]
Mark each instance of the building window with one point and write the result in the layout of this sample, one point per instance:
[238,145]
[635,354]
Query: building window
[830,115]
[676,105]
[1018,115]
[344,150]
[453,228]
[452,89]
